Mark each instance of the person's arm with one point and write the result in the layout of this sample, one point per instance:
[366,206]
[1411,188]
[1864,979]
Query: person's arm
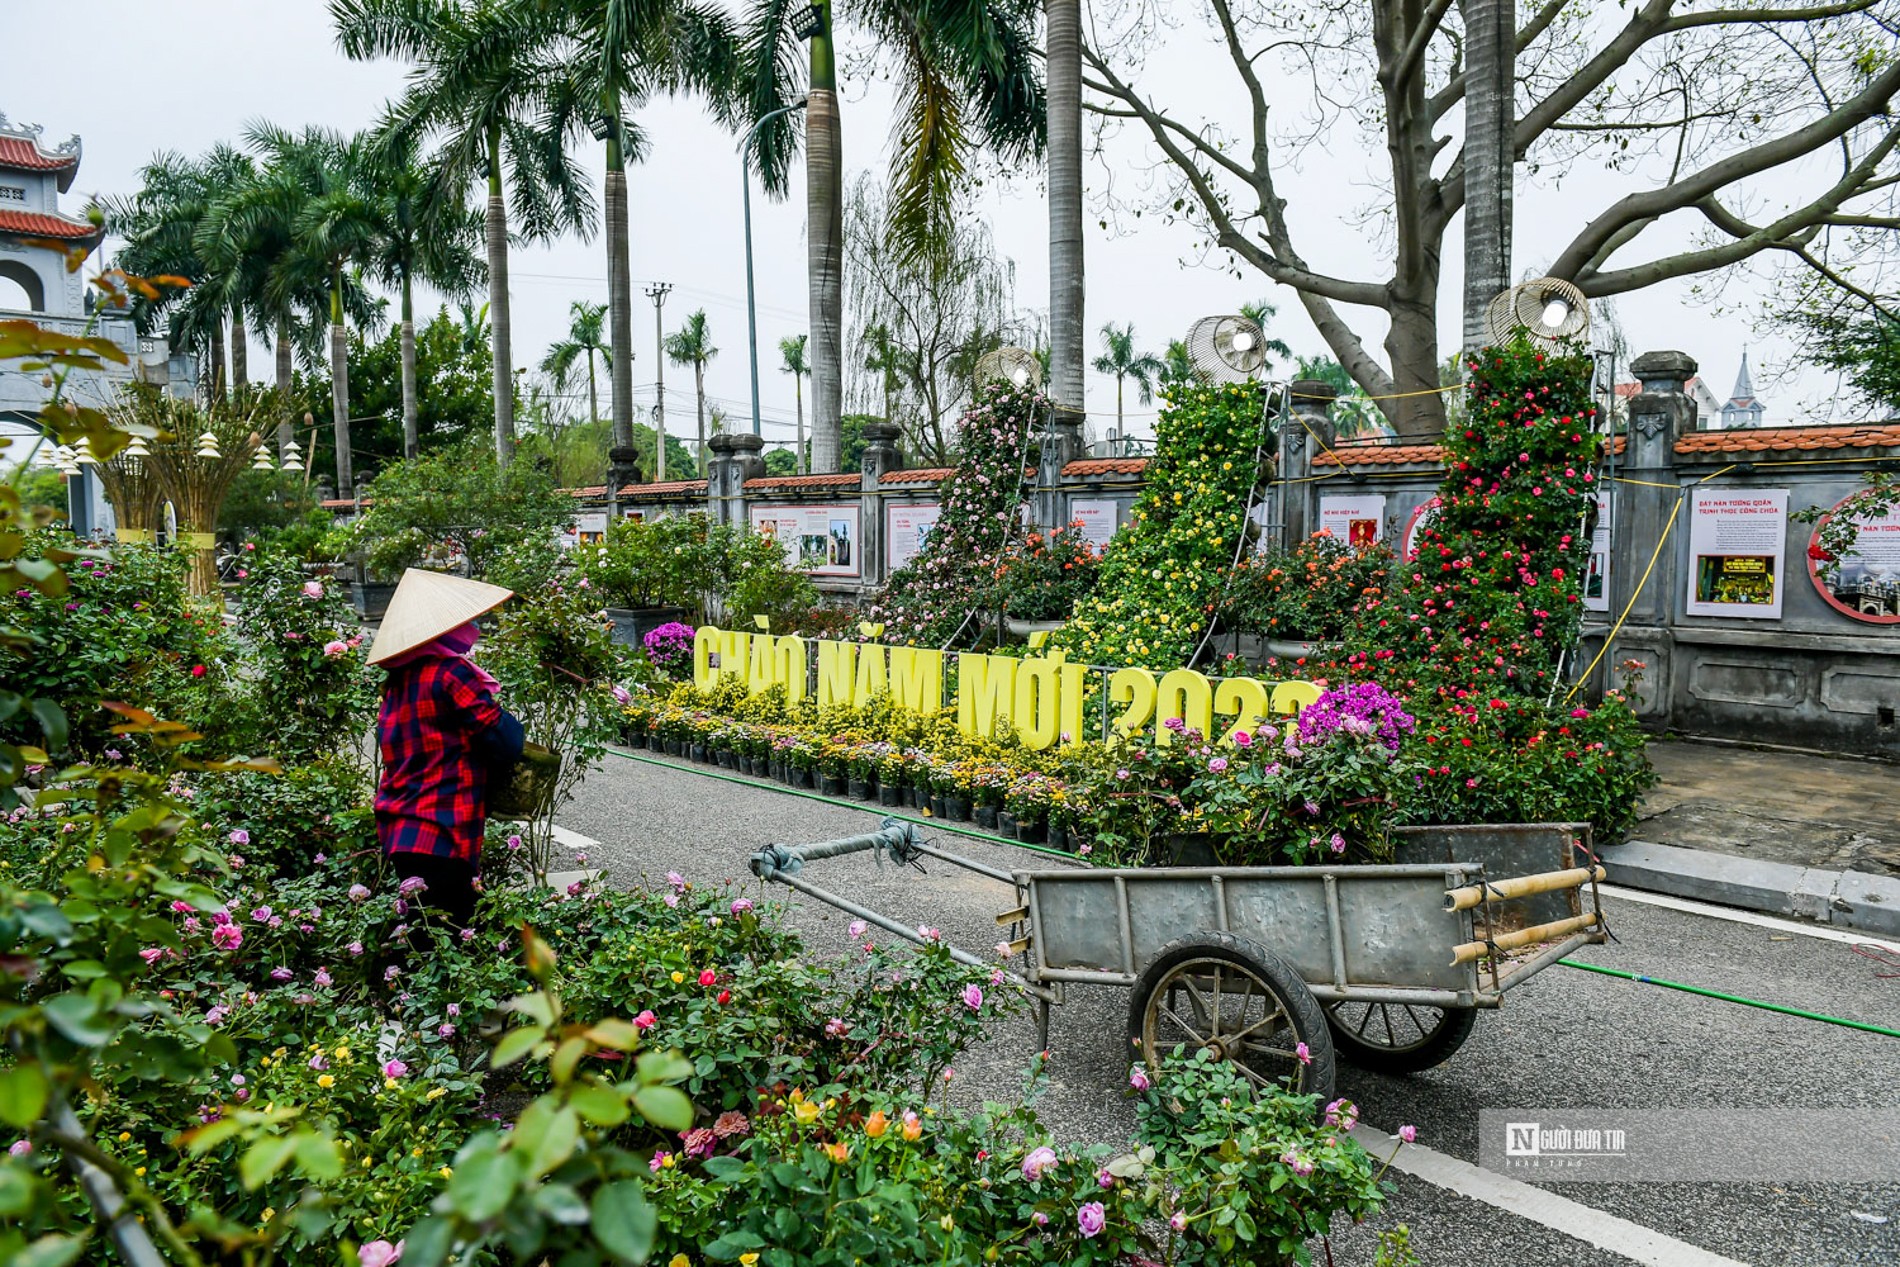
[498,734]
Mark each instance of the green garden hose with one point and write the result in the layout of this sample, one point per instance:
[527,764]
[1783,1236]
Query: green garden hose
[886,811]
[940,825]
[1733,998]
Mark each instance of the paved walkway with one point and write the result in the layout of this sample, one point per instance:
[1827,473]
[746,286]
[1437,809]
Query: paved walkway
[1567,1040]
[1810,811]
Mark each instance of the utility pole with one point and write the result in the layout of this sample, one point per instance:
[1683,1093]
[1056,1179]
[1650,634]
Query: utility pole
[657,293]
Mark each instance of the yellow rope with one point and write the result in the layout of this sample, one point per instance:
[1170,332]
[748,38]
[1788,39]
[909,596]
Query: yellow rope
[1610,637]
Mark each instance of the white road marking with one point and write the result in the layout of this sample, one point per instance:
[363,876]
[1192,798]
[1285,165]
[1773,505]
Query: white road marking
[1780,925]
[574,840]
[1561,1214]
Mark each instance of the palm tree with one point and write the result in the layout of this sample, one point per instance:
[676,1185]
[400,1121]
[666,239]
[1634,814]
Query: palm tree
[966,76]
[1064,33]
[1120,359]
[1262,313]
[617,54]
[1176,365]
[481,86]
[419,235]
[792,360]
[692,345]
[582,341]
[883,358]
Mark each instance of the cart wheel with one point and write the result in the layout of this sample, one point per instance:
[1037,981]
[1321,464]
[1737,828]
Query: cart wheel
[1239,1000]
[1398,1037]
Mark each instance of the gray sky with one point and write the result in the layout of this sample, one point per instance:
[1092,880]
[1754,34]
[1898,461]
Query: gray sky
[219,63]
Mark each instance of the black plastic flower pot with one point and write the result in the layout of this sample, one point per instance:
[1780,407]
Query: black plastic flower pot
[1031,833]
[890,797]
[697,752]
[1058,838]
[831,785]
[957,808]
[860,789]
[801,778]
[986,817]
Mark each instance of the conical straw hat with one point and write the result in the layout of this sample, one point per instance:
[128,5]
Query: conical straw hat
[427,605]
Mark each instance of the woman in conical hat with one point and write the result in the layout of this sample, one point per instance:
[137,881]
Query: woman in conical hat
[441,732]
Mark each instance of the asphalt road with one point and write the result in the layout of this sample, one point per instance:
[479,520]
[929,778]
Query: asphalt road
[1565,1040]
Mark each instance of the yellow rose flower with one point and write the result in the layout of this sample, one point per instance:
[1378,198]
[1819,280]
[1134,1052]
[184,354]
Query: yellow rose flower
[678,978]
[446,1172]
[747,1260]
[679,1260]
[325,1081]
[806,1112]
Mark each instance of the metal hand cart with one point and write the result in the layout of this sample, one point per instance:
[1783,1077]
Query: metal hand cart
[1278,968]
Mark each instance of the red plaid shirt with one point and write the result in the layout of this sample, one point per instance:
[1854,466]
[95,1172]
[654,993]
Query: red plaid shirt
[433,796]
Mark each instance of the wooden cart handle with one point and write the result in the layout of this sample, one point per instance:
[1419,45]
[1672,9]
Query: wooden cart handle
[1471,895]
[1530,936]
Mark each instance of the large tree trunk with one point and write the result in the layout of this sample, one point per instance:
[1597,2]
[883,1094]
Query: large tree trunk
[504,377]
[411,429]
[240,351]
[286,425]
[824,213]
[1066,360]
[619,298]
[1411,347]
[1491,70]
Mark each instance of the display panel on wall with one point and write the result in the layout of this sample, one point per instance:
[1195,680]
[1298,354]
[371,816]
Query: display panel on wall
[821,539]
[1737,552]
[1596,582]
[906,529]
[1099,517]
[1358,520]
[1865,582]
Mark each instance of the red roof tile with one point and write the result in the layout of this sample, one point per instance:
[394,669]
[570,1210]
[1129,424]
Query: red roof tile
[592,490]
[1105,466]
[672,488]
[339,503]
[918,475]
[34,224]
[22,155]
[1861,435]
[1384,453]
[843,479]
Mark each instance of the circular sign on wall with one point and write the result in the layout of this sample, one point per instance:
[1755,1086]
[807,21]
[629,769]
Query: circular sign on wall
[1865,584]
[1408,539]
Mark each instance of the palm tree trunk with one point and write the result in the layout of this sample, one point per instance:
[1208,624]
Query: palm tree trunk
[340,386]
[1490,51]
[240,351]
[619,290]
[798,394]
[699,390]
[824,213]
[1065,203]
[286,426]
[411,430]
[504,377]
[217,360]
[1119,432]
[593,403]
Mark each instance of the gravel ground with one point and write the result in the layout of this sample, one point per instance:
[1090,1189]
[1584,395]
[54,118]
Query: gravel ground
[1567,1039]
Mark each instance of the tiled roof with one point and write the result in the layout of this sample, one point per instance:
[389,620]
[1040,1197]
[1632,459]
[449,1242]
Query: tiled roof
[842,480]
[34,224]
[22,155]
[672,488]
[918,475]
[339,503]
[592,490]
[1105,466]
[1379,453]
[1790,439]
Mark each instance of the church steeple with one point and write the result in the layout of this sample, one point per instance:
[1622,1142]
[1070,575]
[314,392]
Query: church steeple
[1744,389]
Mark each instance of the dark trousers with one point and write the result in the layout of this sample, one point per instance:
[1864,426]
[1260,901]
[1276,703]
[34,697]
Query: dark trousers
[451,881]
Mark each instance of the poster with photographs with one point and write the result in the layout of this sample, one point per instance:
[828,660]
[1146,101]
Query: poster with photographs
[1358,521]
[1737,549]
[1596,581]
[821,539]
[1865,582]
[906,529]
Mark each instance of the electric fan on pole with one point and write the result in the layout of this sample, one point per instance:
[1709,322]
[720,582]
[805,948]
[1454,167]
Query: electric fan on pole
[1228,349]
[1546,308]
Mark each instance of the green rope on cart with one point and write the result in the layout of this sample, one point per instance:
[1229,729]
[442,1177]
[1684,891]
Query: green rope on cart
[1732,998]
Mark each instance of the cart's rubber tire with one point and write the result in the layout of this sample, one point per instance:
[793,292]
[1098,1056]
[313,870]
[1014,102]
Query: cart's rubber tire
[1413,1045]
[1249,961]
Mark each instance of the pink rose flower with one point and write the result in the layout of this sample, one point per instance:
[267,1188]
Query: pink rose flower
[973,997]
[313,589]
[227,937]
[1091,1219]
[395,1069]
[378,1253]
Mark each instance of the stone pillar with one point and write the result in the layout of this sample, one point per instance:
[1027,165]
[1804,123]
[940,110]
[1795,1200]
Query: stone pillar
[735,459]
[881,454]
[1640,509]
[1294,505]
[623,468]
[1061,445]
